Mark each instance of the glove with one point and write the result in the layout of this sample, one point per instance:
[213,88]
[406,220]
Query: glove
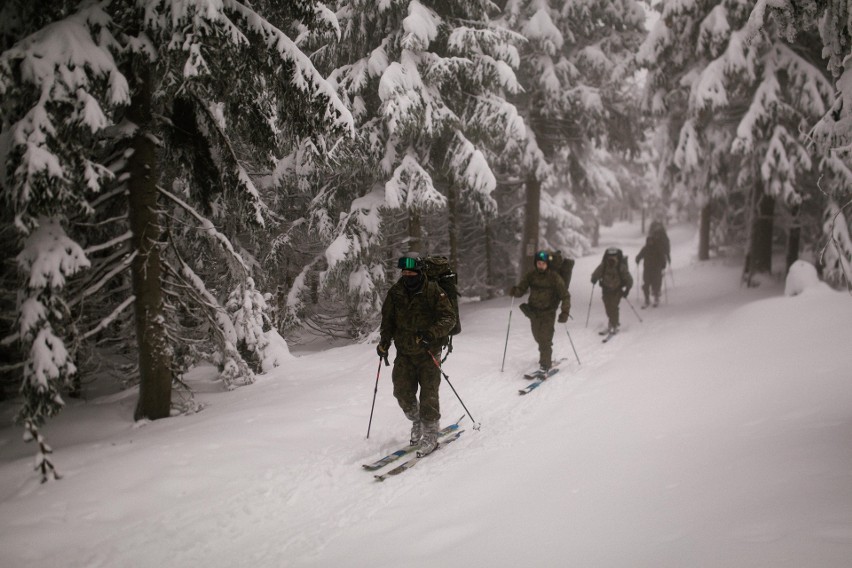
[563,317]
[424,338]
[382,350]
[515,292]
[594,280]
[625,292]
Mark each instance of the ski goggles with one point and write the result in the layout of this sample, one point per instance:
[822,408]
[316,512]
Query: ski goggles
[408,263]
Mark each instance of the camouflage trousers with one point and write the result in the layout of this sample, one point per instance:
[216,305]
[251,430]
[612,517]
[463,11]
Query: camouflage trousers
[652,282]
[541,324]
[611,299]
[411,372]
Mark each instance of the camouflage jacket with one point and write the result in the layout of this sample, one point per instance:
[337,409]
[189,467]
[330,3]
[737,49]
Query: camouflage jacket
[546,288]
[655,252]
[405,313]
[614,276]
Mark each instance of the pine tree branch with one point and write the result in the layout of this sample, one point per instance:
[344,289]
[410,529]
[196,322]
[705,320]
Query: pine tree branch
[208,227]
[110,318]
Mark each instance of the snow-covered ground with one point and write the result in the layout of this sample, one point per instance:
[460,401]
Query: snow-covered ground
[716,433]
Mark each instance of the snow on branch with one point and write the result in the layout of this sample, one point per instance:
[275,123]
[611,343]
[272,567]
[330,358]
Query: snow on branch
[104,323]
[305,76]
[469,166]
[50,256]
[243,180]
[234,367]
[421,27]
[208,228]
[412,186]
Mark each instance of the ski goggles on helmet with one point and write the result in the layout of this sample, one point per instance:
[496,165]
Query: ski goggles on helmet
[408,263]
[542,255]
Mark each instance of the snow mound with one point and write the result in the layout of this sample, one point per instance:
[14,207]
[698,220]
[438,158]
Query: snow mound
[802,276]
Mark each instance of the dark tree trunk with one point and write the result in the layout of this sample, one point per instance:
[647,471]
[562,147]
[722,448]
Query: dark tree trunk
[415,232]
[793,239]
[760,251]
[453,225]
[704,233]
[155,385]
[489,268]
[529,244]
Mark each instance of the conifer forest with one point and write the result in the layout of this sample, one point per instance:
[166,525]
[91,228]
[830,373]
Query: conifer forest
[191,180]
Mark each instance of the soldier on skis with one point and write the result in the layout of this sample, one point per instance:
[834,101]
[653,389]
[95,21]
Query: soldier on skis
[417,316]
[615,279]
[655,253]
[547,290]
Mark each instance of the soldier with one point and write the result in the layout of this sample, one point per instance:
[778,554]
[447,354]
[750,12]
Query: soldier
[547,290]
[417,316]
[655,254]
[616,282]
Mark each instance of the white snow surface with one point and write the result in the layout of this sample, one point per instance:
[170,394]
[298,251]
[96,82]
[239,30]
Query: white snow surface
[716,433]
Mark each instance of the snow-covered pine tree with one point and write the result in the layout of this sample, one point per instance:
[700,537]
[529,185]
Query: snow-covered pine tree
[95,100]
[670,56]
[575,64]
[426,84]
[249,312]
[832,134]
[743,91]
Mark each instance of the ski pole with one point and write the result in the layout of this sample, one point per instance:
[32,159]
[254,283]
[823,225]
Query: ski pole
[588,313]
[626,299]
[506,345]
[376,390]
[637,280]
[572,344]
[476,425]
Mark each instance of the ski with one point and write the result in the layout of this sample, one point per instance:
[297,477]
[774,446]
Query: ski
[538,373]
[408,464]
[609,336]
[538,381]
[393,456]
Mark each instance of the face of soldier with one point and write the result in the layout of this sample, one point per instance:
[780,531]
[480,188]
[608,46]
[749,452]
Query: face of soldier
[412,279]
[540,265]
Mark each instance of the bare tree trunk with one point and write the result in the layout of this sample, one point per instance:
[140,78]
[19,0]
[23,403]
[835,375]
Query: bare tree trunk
[415,232]
[793,239]
[529,244]
[704,233]
[453,225]
[760,253]
[596,233]
[489,269]
[155,385]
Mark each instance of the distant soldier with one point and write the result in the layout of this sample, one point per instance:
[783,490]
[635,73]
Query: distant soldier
[656,253]
[417,316]
[547,290]
[615,279]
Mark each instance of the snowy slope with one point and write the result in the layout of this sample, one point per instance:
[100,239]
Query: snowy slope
[715,433]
